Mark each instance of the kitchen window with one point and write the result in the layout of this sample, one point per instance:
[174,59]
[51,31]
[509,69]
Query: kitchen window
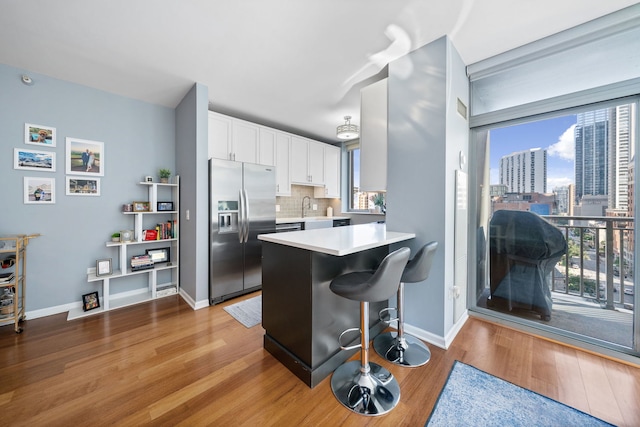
[360,201]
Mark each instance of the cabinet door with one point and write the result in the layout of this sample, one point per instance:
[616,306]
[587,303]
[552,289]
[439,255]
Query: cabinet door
[332,171]
[245,142]
[299,160]
[267,147]
[219,136]
[283,156]
[316,162]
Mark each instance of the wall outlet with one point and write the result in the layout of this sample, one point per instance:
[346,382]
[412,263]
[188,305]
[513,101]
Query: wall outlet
[187,214]
[315,207]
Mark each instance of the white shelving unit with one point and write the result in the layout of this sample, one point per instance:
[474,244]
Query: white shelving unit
[154,288]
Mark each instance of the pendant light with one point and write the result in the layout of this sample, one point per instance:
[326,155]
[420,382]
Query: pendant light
[347,130]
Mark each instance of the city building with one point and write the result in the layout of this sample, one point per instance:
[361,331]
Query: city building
[525,171]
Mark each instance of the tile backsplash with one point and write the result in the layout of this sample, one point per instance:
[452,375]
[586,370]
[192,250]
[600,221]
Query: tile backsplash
[291,207]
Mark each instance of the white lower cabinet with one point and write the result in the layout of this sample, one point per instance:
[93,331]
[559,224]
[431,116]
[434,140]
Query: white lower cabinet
[162,279]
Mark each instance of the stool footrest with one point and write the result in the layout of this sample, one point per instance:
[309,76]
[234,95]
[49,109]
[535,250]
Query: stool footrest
[346,331]
[384,311]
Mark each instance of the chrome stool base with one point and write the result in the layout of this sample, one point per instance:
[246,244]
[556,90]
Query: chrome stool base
[374,393]
[412,353]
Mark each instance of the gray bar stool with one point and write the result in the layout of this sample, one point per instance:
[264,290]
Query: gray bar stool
[397,347]
[364,387]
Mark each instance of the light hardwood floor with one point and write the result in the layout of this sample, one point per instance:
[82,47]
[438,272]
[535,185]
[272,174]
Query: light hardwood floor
[161,363]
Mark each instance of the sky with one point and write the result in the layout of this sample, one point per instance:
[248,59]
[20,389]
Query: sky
[555,135]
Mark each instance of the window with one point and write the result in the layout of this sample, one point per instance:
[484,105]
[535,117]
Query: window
[360,201]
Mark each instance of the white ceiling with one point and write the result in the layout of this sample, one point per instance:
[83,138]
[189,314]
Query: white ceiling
[296,65]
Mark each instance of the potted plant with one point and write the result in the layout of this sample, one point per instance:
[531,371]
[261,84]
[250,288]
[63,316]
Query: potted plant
[378,202]
[164,175]
[115,237]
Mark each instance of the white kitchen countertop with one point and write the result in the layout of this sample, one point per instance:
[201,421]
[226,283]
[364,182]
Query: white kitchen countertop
[303,219]
[339,241]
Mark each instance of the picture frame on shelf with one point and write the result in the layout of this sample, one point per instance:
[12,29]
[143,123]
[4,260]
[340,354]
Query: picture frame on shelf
[165,206]
[35,160]
[140,206]
[84,157]
[39,190]
[159,255]
[44,136]
[104,267]
[90,301]
[80,186]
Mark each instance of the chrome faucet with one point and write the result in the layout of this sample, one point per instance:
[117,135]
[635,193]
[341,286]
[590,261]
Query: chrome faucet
[308,204]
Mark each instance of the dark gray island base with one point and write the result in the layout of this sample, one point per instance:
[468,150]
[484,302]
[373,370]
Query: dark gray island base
[302,317]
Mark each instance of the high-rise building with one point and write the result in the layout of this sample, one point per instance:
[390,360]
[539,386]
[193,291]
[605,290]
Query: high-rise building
[562,199]
[591,161]
[622,129]
[525,171]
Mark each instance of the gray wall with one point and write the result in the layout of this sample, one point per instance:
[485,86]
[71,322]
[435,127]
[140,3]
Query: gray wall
[139,138]
[424,139]
[192,163]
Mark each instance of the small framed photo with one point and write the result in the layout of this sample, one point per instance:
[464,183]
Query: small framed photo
[141,206]
[165,206]
[80,186]
[34,160]
[103,267]
[159,255]
[39,135]
[90,301]
[39,190]
[84,157]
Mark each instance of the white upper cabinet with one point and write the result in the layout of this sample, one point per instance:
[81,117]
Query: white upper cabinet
[307,161]
[220,130]
[233,139]
[331,188]
[283,161]
[267,147]
[373,137]
[245,139]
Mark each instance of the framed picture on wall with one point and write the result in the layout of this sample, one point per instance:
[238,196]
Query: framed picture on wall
[39,135]
[85,157]
[82,186]
[39,191]
[35,160]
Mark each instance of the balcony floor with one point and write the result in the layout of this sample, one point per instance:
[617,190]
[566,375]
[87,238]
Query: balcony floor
[578,315]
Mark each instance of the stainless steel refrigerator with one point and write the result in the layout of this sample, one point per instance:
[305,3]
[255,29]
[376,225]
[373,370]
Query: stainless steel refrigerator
[242,204]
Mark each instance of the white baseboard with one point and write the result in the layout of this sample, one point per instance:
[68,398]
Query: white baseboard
[437,340]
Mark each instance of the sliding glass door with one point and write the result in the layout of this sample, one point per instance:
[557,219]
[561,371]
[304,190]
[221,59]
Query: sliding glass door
[554,212]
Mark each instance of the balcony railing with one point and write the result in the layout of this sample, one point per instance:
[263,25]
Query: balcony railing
[599,263]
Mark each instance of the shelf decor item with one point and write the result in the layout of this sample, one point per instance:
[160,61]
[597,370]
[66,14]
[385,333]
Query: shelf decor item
[115,237]
[126,236]
[159,255]
[165,206]
[164,175]
[141,262]
[141,206]
[103,267]
[90,301]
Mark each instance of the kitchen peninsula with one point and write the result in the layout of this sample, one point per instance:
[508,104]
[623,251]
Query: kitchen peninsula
[302,318]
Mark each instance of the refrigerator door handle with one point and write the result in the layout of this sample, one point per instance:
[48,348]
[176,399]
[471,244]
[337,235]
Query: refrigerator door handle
[241,217]
[246,216]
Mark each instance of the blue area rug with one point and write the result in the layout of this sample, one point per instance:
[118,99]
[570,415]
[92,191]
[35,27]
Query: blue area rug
[472,397]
